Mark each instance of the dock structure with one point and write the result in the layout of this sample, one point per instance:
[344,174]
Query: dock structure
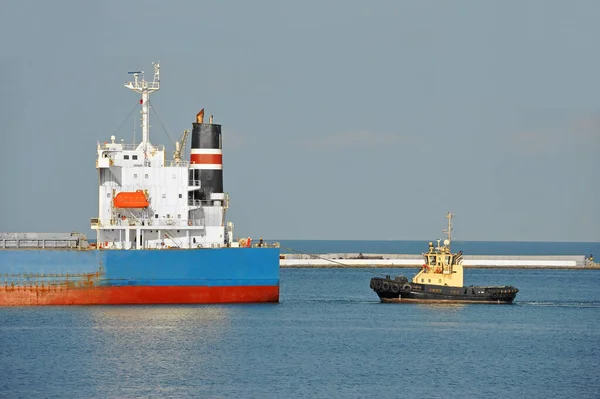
[358,260]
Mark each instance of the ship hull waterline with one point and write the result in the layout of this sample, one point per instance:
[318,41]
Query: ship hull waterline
[445,301]
[37,296]
[426,297]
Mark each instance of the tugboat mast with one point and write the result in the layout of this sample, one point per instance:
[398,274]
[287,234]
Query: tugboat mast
[145,89]
[448,231]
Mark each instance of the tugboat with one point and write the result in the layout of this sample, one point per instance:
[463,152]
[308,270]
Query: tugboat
[440,280]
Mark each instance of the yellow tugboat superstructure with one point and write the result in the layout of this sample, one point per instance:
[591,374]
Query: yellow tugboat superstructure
[441,266]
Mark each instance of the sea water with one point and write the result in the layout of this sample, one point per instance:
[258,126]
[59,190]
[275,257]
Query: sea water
[328,337]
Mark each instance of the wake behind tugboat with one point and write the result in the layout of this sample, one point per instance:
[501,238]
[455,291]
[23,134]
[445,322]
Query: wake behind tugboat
[440,281]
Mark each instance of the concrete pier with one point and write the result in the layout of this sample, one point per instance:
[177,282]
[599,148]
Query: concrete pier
[341,260]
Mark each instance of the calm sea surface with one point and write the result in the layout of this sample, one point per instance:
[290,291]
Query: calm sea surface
[329,337]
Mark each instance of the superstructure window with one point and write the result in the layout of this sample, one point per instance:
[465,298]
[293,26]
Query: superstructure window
[146,175]
[180,196]
[164,195]
[125,156]
[156,216]
[135,175]
[134,157]
[107,195]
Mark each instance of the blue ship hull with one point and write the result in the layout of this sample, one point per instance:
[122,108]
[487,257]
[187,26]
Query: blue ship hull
[63,277]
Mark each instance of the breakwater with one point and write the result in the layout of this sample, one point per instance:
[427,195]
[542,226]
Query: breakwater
[359,260]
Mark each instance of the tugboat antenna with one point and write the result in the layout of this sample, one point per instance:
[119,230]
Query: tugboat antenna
[449,216]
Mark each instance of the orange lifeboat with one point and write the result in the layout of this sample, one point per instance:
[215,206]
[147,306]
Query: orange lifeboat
[135,199]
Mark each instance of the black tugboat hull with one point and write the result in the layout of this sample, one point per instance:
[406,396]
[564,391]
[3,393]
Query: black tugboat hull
[401,291]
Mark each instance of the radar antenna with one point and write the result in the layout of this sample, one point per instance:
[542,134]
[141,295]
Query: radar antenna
[145,89]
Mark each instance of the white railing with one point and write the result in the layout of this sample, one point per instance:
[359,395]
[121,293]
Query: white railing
[179,163]
[199,202]
[126,147]
[155,223]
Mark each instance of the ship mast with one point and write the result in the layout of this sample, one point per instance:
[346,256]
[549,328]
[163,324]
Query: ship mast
[448,231]
[145,89]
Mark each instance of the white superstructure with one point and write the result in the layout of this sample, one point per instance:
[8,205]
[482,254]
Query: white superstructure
[147,202]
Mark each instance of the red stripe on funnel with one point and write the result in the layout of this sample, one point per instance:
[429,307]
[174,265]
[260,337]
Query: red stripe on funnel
[212,159]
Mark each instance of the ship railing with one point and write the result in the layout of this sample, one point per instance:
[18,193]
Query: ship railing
[179,163]
[176,222]
[243,243]
[192,222]
[126,147]
[193,202]
[43,243]
[266,244]
[158,223]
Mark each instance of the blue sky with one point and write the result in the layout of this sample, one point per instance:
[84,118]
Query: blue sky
[341,119]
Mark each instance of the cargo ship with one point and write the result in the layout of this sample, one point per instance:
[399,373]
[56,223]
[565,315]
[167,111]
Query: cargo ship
[440,280]
[162,234]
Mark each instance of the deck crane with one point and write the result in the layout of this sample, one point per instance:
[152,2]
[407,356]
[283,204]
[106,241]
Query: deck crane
[179,146]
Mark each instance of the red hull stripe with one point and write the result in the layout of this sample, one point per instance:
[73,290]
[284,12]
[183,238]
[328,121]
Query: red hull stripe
[32,296]
[211,159]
